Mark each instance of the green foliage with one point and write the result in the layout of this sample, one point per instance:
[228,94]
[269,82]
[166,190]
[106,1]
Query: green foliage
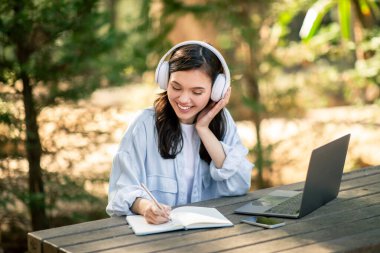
[369,66]
[69,48]
[70,191]
[314,17]
[59,42]
[347,54]
[365,10]
[6,116]
[66,197]
[344,10]
[254,105]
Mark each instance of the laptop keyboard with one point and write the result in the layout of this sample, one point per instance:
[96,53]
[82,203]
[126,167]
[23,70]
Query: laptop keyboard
[289,206]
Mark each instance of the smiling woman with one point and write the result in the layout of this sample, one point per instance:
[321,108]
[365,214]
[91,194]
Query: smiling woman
[185,149]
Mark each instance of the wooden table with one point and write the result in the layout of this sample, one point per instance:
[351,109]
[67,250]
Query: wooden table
[350,223]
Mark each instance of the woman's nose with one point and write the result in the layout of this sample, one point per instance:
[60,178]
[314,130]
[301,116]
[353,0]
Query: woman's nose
[184,97]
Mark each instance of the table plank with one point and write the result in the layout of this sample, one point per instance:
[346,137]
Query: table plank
[94,235]
[367,241]
[38,238]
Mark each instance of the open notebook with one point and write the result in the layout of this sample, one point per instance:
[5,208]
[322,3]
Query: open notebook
[185,217]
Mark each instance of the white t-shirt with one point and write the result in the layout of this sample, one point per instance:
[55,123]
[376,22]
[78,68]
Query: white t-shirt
[189,153]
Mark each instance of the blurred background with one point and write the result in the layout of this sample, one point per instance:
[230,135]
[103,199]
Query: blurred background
[74,73]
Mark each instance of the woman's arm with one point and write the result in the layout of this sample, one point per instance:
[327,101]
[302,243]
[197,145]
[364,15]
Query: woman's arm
[209,140]
[234,177]
[229,166]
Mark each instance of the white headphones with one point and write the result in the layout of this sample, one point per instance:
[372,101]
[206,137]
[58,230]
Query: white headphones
[221,83]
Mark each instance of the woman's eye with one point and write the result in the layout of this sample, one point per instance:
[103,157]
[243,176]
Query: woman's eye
[197,92]
[176,88]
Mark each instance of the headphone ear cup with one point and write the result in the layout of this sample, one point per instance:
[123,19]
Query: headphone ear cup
[162,75]
[219,88]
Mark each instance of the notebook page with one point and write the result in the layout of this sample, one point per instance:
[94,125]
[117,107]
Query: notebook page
[141,227]
[198,217]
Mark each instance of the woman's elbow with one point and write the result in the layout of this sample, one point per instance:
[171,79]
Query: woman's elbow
[239,188]
[244,188]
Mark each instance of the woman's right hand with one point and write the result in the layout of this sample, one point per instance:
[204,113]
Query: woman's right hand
[155,215]
[151,212]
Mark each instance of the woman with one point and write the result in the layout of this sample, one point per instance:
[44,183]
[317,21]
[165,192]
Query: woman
[186,148]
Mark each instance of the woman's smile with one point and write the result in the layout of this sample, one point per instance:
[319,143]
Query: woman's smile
[184,108]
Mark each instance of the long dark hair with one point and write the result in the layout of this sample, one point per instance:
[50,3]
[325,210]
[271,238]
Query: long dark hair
[168,127]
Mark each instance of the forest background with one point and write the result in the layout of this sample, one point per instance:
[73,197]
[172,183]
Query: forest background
[73,74]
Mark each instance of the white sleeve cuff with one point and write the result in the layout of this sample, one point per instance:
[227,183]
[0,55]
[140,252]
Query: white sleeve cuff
[121,204]
[234,157]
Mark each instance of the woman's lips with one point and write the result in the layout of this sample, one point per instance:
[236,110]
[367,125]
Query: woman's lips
[184,108]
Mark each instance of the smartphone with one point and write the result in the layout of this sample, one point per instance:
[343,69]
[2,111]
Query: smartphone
[264,222]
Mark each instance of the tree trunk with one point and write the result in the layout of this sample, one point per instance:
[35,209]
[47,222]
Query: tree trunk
[251,73]
[112,4]
[33,149]
[254,94]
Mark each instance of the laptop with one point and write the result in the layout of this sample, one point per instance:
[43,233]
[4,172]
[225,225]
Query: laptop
[321,186]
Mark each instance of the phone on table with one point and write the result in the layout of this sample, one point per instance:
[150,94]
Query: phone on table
[264,222]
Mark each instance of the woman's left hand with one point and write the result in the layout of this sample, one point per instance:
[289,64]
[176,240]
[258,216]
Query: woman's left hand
[208,113]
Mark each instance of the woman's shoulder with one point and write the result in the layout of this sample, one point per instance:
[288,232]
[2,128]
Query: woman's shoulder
[143,118]
[147,114]
[141,125]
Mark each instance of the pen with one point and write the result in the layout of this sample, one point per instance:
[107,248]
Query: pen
[151,195]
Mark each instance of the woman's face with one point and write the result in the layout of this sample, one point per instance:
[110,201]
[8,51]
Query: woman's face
[189,92]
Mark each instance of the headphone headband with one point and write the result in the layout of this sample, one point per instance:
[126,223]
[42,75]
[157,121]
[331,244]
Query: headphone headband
[203,44]
[220,84]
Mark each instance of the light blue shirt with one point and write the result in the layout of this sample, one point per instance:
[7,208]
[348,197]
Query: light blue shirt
[139,161]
